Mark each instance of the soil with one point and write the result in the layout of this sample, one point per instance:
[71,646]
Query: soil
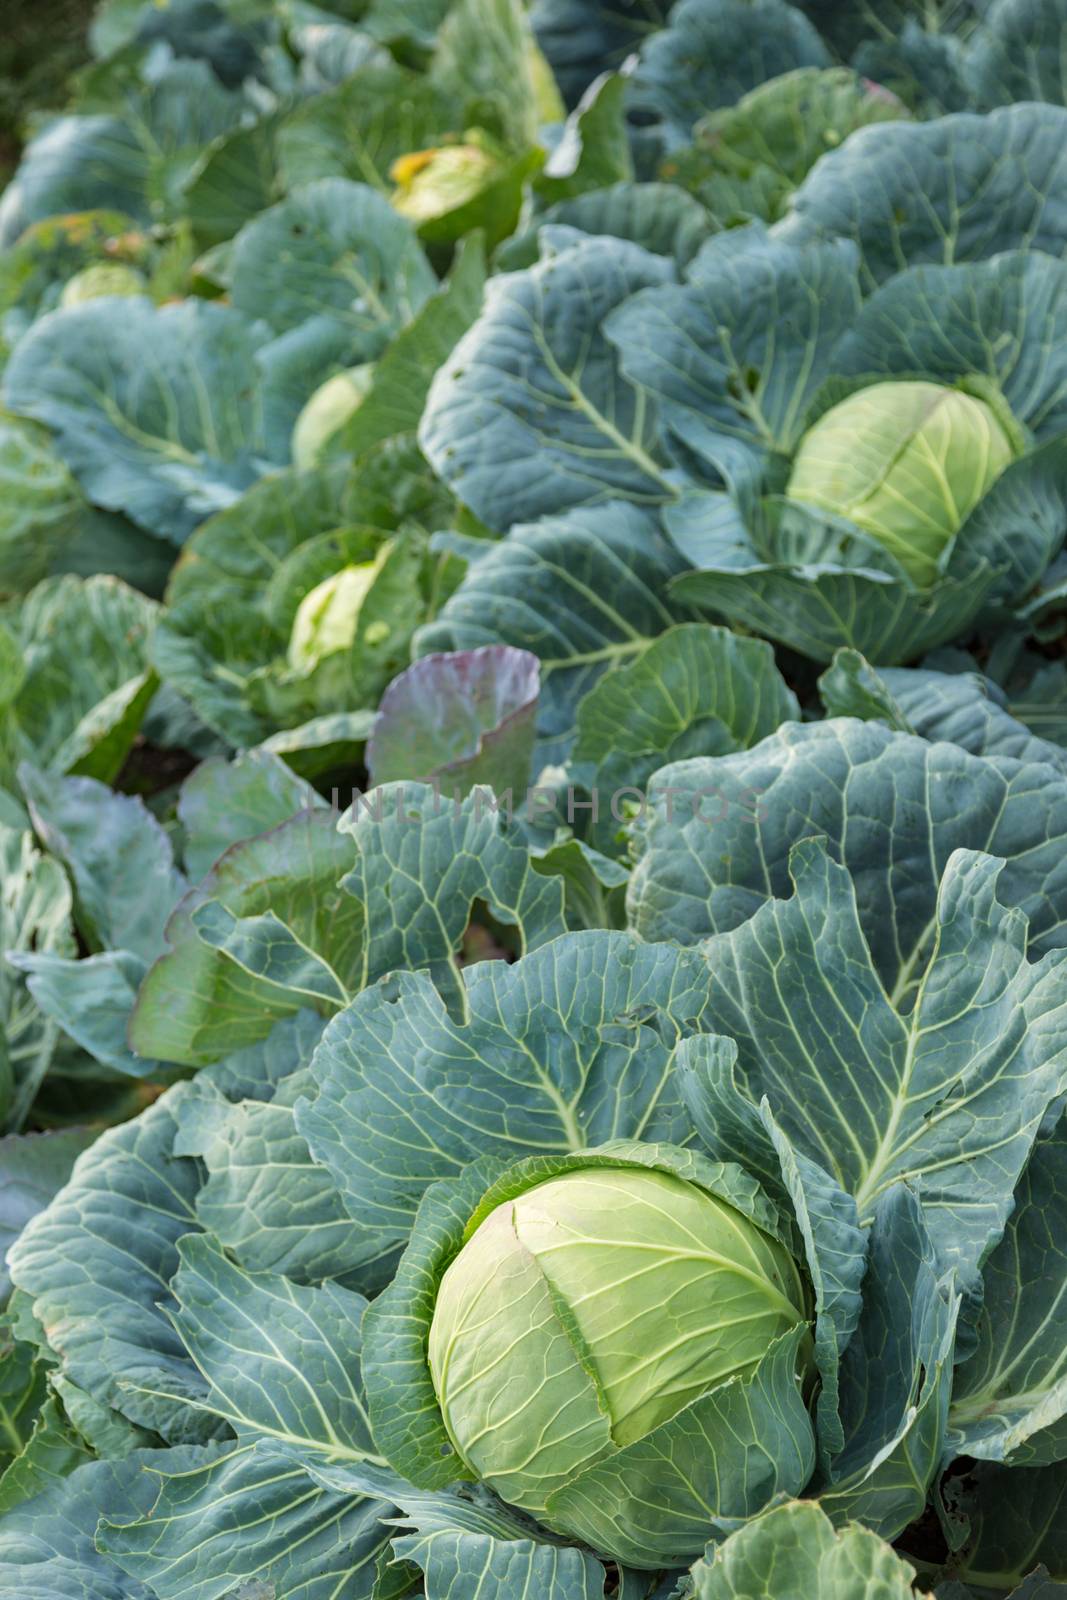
[41,43]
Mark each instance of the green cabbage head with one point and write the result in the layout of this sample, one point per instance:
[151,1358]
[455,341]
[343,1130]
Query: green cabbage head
[906,461]
[431,183]
[328,616]
[103,278]
[590,1309]
[327,411]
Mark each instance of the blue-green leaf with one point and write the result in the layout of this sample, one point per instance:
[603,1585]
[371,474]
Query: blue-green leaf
[163,414]
[567,1048]
[530,414]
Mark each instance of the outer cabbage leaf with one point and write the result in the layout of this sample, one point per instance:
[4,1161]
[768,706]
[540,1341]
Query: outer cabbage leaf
[137,151]
[191,28]
[963,708]
[267,932]
[163,414]
[1010,1396]
[233,180]
[47,1545]
[714,844]
[282,1367]
[843,597]
[332,262]
[851,28]
[224,802]
[467,718]
[583,38]
[530,414]
[713,51]
[94,1263]
[33,1168]
[53,172]
[268,1202]
[35,915]
[659,217]
[696,690]
[712,352]
[567,1048]
[793,1552]
[310,914]
[924,63]
[119,858]
[82,722]
[583,592]
[281,1361]
[245,1515]
[945,1093]
[487,60]
[1007,1524]
[895,1376]
[40,505]
[122,867]
[1017,54]
[826,1218]
[960,188]
[746,159]
[724,687]
[593,150]
[359,128]
[401,379]
[446,1556]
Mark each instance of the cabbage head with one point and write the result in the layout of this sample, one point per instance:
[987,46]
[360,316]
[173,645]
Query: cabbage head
[326,412]
[609,1333]
[906,461]
[327,617]
[101,279]
[431,183]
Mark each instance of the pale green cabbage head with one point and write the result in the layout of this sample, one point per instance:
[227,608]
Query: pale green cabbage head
[327,410]
[100,280]
[609,1290]
[328,616]
[431,183]
[906,461]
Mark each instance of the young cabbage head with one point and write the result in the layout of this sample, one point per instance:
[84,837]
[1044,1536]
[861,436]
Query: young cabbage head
[327,411]
[431,183]
[588,1311]
[102,279]
[908,462]
[328,616]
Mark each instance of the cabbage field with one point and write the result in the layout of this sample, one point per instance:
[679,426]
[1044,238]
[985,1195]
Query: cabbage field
[533,801]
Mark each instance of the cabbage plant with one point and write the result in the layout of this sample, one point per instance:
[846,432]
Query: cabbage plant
[851,424]
[560,1276]
[889,474]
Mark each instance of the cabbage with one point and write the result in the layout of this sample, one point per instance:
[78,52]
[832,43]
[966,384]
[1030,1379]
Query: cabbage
[430,183]
[906,461]
[609,1290]
[327,411]
[327,617]
[102,279]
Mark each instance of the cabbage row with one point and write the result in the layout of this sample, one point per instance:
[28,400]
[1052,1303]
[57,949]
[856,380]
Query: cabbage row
[533,804]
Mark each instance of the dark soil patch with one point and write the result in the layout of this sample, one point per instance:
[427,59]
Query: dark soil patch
[41,43]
